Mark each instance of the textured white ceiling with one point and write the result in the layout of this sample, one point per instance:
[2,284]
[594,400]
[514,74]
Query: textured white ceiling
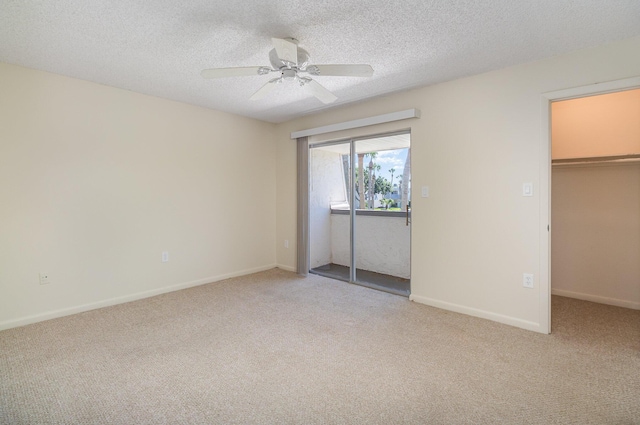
[159,47]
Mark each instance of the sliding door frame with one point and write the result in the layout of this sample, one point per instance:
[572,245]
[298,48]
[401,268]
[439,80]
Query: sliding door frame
[352,196]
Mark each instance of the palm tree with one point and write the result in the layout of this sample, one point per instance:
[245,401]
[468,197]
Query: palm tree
[387,203]
[393,170]
[361,180]
[372,181]
[376,167]
[372,178]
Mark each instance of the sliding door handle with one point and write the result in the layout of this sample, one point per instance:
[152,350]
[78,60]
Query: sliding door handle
[408,209]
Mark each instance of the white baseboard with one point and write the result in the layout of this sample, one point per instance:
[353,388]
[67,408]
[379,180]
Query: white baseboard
[287,268]
[507,320]
[54,314]
[596,299]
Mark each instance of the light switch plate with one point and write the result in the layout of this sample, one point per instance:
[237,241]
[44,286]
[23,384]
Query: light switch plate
[527,189]
[425,191]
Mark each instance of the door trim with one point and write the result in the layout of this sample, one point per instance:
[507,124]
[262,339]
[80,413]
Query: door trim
[545,180]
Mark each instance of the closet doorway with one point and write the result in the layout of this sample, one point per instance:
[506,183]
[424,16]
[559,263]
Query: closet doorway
[595,198]
[359,211]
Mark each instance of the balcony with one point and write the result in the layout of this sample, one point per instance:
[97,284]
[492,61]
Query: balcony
[382,249]
[382,237]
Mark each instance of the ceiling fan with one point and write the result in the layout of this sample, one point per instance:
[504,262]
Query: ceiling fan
[292,62]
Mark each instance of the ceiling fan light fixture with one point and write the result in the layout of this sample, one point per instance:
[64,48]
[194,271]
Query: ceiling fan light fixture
[303,58]
[263,70]
[313,70]
[303,80]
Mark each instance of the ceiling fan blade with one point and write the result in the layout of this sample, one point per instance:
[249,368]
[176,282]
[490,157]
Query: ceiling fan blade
[264,90]
[231,72]
[287,51]
[341,70]
[324,95]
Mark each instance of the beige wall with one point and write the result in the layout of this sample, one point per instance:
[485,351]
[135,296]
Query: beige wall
[96,182]
[595,245]
[604,125]
[479,139]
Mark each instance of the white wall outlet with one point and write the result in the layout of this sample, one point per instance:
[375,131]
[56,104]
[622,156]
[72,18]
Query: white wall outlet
[527,280]
[45,279]
[165,256]
[286,243]
[527,189]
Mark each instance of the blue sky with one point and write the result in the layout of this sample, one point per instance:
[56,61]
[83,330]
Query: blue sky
[391,159]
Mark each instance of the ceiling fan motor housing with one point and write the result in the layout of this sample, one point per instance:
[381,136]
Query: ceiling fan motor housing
[289,74]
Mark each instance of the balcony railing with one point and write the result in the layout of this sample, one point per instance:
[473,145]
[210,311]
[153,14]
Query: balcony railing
[382,241]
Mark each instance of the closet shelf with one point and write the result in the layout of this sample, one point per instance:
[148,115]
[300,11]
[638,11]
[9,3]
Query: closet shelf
[597,159]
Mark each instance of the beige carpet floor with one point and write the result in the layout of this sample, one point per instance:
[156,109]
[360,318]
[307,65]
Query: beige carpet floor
[273,348]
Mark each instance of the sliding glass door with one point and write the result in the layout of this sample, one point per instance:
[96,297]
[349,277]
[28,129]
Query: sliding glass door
[359,211]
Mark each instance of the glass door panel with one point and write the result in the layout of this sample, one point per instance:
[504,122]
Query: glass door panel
[329,210]
[382,232]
